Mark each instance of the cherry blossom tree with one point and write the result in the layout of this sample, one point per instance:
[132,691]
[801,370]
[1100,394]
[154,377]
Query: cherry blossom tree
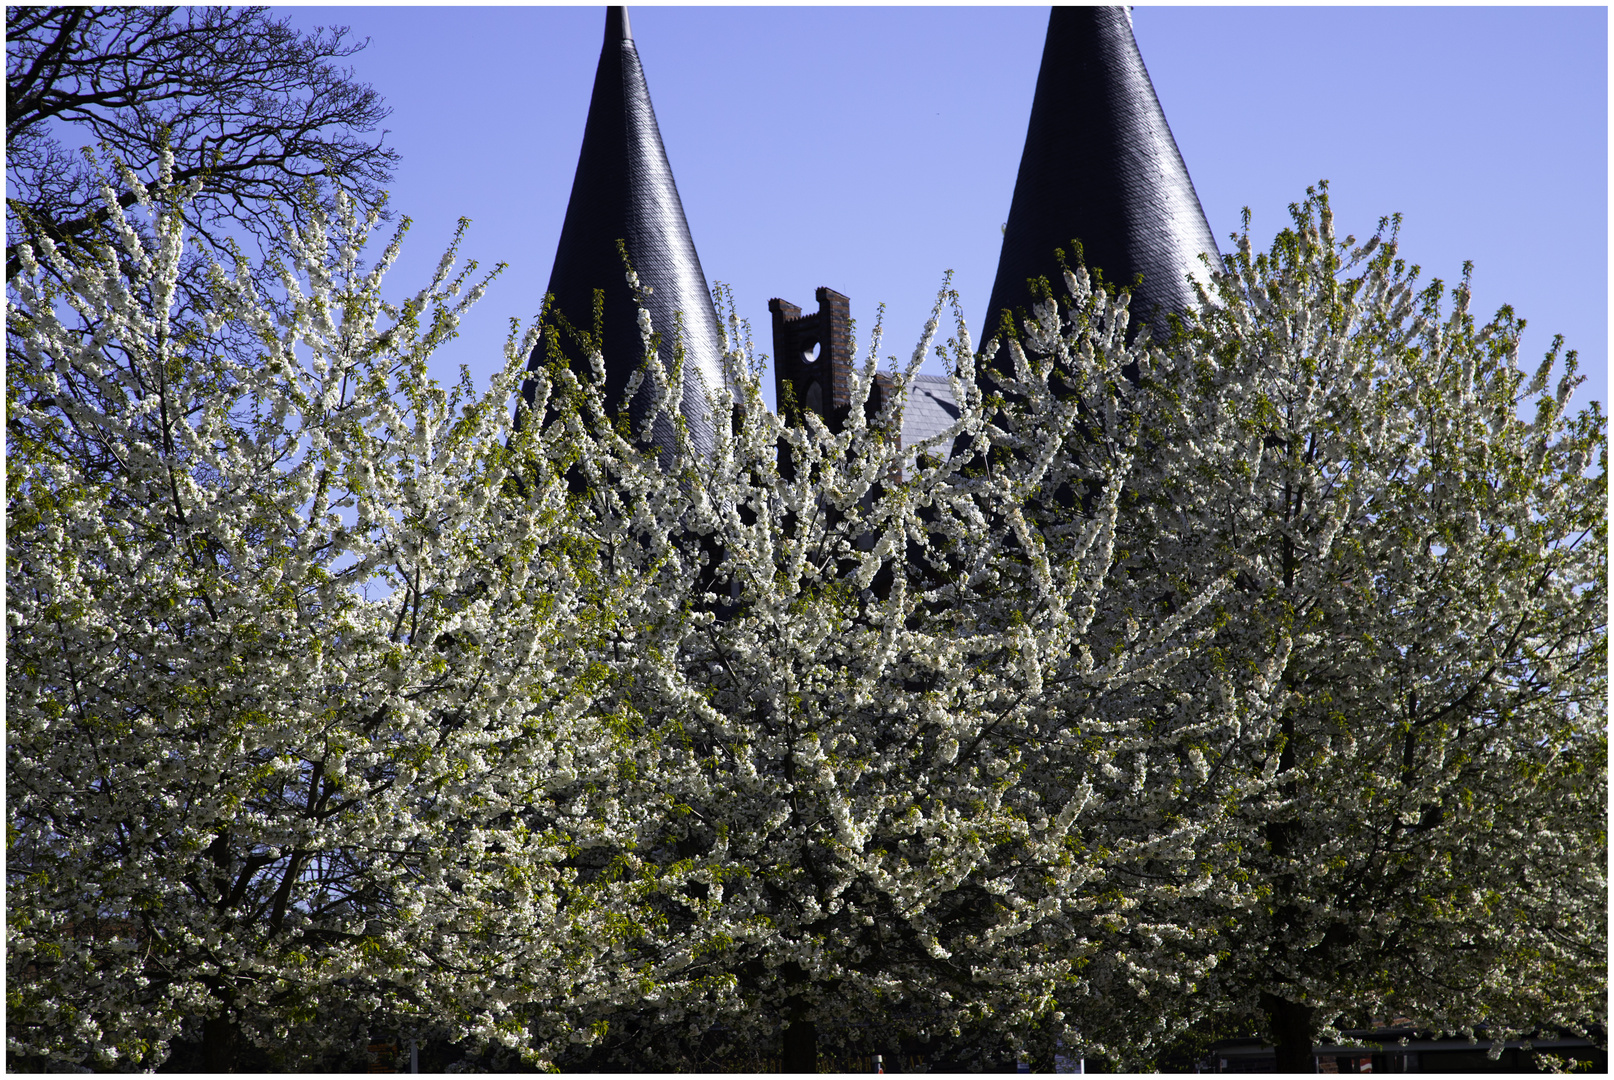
[929,774]
[340,705]
[1172,681]
[295,655]
[1423,834]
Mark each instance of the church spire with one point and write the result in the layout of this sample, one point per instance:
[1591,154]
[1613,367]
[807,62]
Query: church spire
[624,190]
[1100,166]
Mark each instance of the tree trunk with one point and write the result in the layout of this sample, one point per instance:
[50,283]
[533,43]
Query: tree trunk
[219,1036]
[801,1047]
[1291,1026]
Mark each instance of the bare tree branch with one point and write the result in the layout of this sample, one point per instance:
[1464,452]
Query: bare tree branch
[250,105]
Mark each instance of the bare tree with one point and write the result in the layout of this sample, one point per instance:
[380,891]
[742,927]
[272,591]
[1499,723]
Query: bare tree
[250,105]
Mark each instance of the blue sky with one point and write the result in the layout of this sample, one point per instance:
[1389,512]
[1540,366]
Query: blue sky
[870,149]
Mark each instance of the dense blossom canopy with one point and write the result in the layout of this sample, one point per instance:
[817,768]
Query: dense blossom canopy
[1427,838]
[1173,674]
[278,669]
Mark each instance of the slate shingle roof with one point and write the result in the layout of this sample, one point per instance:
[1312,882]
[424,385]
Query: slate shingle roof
[1100,166]
[930,410]
[624,189]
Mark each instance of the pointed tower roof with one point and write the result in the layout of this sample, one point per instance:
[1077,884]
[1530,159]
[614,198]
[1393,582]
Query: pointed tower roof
[1100,166]
[624,190]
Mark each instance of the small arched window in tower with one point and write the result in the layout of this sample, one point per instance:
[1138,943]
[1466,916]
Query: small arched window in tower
[814,401]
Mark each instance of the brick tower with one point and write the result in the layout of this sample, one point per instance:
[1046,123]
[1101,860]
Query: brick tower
[812,361]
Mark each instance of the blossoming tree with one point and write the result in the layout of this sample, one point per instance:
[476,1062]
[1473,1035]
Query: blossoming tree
[927,769]
[1422,835]
[293,657]
[339,705]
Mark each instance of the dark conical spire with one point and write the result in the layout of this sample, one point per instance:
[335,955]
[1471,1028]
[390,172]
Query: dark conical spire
[1100,166]
[624,190]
